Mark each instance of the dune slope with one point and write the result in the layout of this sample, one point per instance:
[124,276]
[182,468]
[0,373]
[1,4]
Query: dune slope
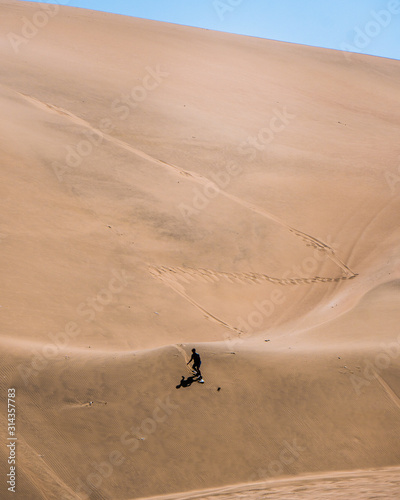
[166,187]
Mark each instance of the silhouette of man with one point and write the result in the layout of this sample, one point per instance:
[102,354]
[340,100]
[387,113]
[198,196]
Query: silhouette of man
[185,382]
[196,362]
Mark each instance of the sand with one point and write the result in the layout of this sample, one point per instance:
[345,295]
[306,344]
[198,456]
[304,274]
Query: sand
[164,188]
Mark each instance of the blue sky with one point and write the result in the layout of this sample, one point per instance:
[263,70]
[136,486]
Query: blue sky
[365,26]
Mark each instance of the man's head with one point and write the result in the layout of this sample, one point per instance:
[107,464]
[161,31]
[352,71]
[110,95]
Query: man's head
[193,350]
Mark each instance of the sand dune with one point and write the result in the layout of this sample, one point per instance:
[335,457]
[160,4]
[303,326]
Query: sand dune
[166,187]
[359,484]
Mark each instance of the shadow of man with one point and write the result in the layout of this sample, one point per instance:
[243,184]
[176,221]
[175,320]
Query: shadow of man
[188,381]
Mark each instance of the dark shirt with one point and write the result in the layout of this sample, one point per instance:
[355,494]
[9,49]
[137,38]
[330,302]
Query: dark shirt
[196,359]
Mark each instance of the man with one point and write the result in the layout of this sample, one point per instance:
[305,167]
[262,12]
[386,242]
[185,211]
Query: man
[196,362]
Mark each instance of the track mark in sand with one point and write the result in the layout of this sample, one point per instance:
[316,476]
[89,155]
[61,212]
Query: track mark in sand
[170,275]
[189,274]
[50,108]
[319,245]
[179,289]
[308,239]
[78,405]
[392,395]
[195,177]
[182,351]
[185,357]
[109,138]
